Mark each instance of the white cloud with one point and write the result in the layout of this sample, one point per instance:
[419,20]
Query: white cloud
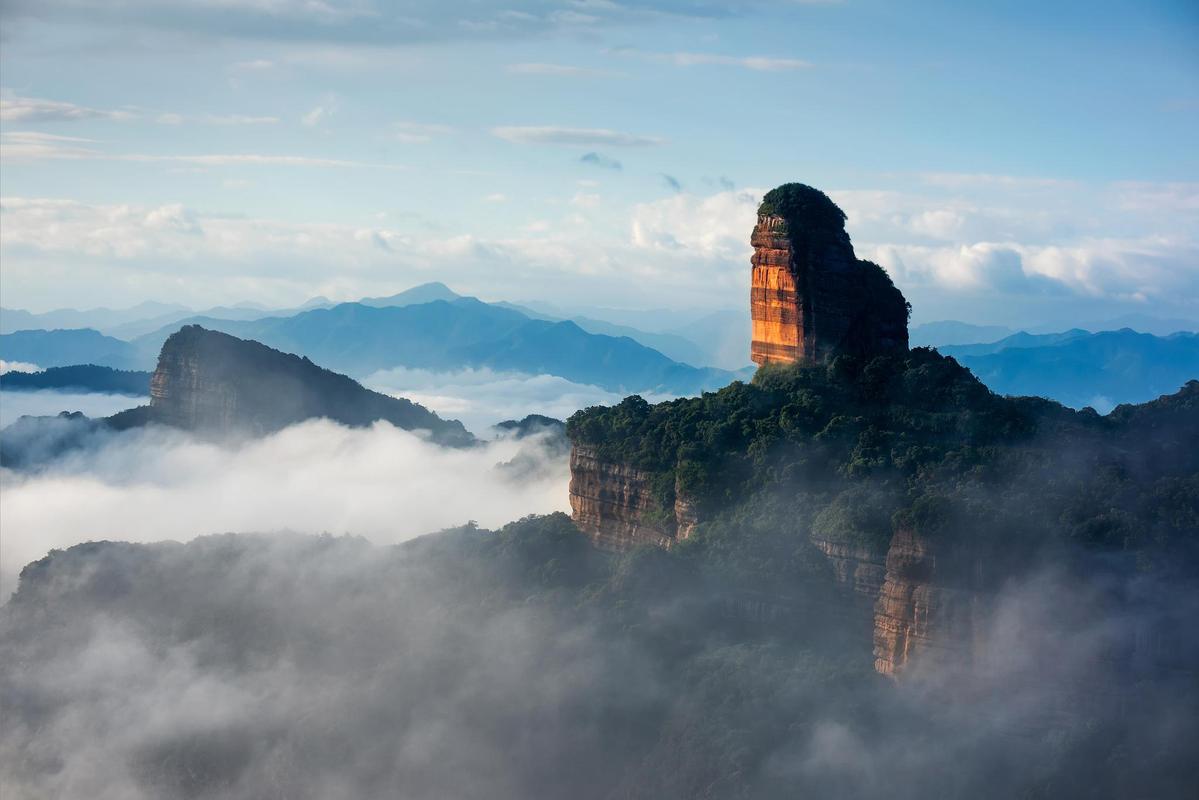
[15,366]
[689,59]
[49,403]
[585,200]
[713,227]
[561,70]
[238,119]
[961,180]
[418,132]
[33,146]
[577,137]
[381,482]
[15,108]
[315,116]
[482,397]
[972,251]
[256,64]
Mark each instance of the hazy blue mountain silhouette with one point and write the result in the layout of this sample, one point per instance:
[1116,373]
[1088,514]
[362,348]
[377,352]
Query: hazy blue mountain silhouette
[62,348]
[360,339]
[1078,368]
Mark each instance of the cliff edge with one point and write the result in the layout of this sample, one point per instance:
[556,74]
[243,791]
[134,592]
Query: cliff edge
[811,298]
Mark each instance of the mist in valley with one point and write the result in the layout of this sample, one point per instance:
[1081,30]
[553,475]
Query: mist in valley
[466,665]
[380,482]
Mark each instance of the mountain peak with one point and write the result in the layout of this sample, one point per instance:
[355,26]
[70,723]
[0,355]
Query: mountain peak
[811,298]
[218,384]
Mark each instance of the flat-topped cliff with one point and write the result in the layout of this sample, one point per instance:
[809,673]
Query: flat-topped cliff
[811,298]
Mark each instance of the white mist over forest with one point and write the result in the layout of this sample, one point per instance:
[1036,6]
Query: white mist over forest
[382,483]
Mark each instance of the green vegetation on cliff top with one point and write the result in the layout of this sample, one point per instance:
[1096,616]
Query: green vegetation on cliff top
[832,452]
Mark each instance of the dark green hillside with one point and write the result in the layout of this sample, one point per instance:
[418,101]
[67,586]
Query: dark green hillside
[83,377]
[853,444]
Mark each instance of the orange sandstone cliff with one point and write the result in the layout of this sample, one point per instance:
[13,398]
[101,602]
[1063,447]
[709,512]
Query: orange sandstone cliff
[811,298]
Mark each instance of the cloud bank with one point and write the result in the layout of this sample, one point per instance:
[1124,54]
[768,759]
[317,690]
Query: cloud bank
[1013,251]
[480,398]
[48,402]
[154,484]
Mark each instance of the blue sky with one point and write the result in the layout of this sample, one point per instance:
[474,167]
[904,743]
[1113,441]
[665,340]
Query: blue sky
[1009,162]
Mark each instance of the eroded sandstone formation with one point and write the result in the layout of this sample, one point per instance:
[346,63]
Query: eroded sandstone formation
[618,507]
[856,568]
[925,609]
[811,298]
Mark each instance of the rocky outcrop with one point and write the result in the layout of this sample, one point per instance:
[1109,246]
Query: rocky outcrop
[811,298]
[619,507]
[926,609]
[856,568]
[217,384]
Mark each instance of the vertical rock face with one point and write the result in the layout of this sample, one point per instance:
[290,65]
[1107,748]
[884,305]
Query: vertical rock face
[614,504]
[856,568]
[811,298]
[618,507]
[775,304]
[918,614]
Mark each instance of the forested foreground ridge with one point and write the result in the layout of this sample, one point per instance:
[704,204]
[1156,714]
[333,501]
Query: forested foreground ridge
[737,662]
[860,575]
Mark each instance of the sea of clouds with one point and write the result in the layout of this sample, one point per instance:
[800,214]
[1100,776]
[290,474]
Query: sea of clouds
[380,482]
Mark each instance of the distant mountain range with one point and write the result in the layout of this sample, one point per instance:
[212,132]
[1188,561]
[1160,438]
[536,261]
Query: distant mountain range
[952,332]
[69,347]
[82,378]
[415,329]
[955,332]
[361,339]
[1079,368]
[432,327]
[702,339]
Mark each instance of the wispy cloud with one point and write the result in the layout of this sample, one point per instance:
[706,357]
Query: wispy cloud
[688,59]
[563,70]
[315,116]
[672,182]
[15,108]
[215,119]
[963,180]
[256,159]
[599,160]
[257,64]
[418,132]
[36,146]
[577,137]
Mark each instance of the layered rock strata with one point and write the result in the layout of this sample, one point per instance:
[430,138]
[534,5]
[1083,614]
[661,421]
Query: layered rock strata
[856,568]
[618,508]
[811,298]
[926,609]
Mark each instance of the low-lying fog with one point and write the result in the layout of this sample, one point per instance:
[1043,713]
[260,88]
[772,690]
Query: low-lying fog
[382,483]
[482,397]
[49,402]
